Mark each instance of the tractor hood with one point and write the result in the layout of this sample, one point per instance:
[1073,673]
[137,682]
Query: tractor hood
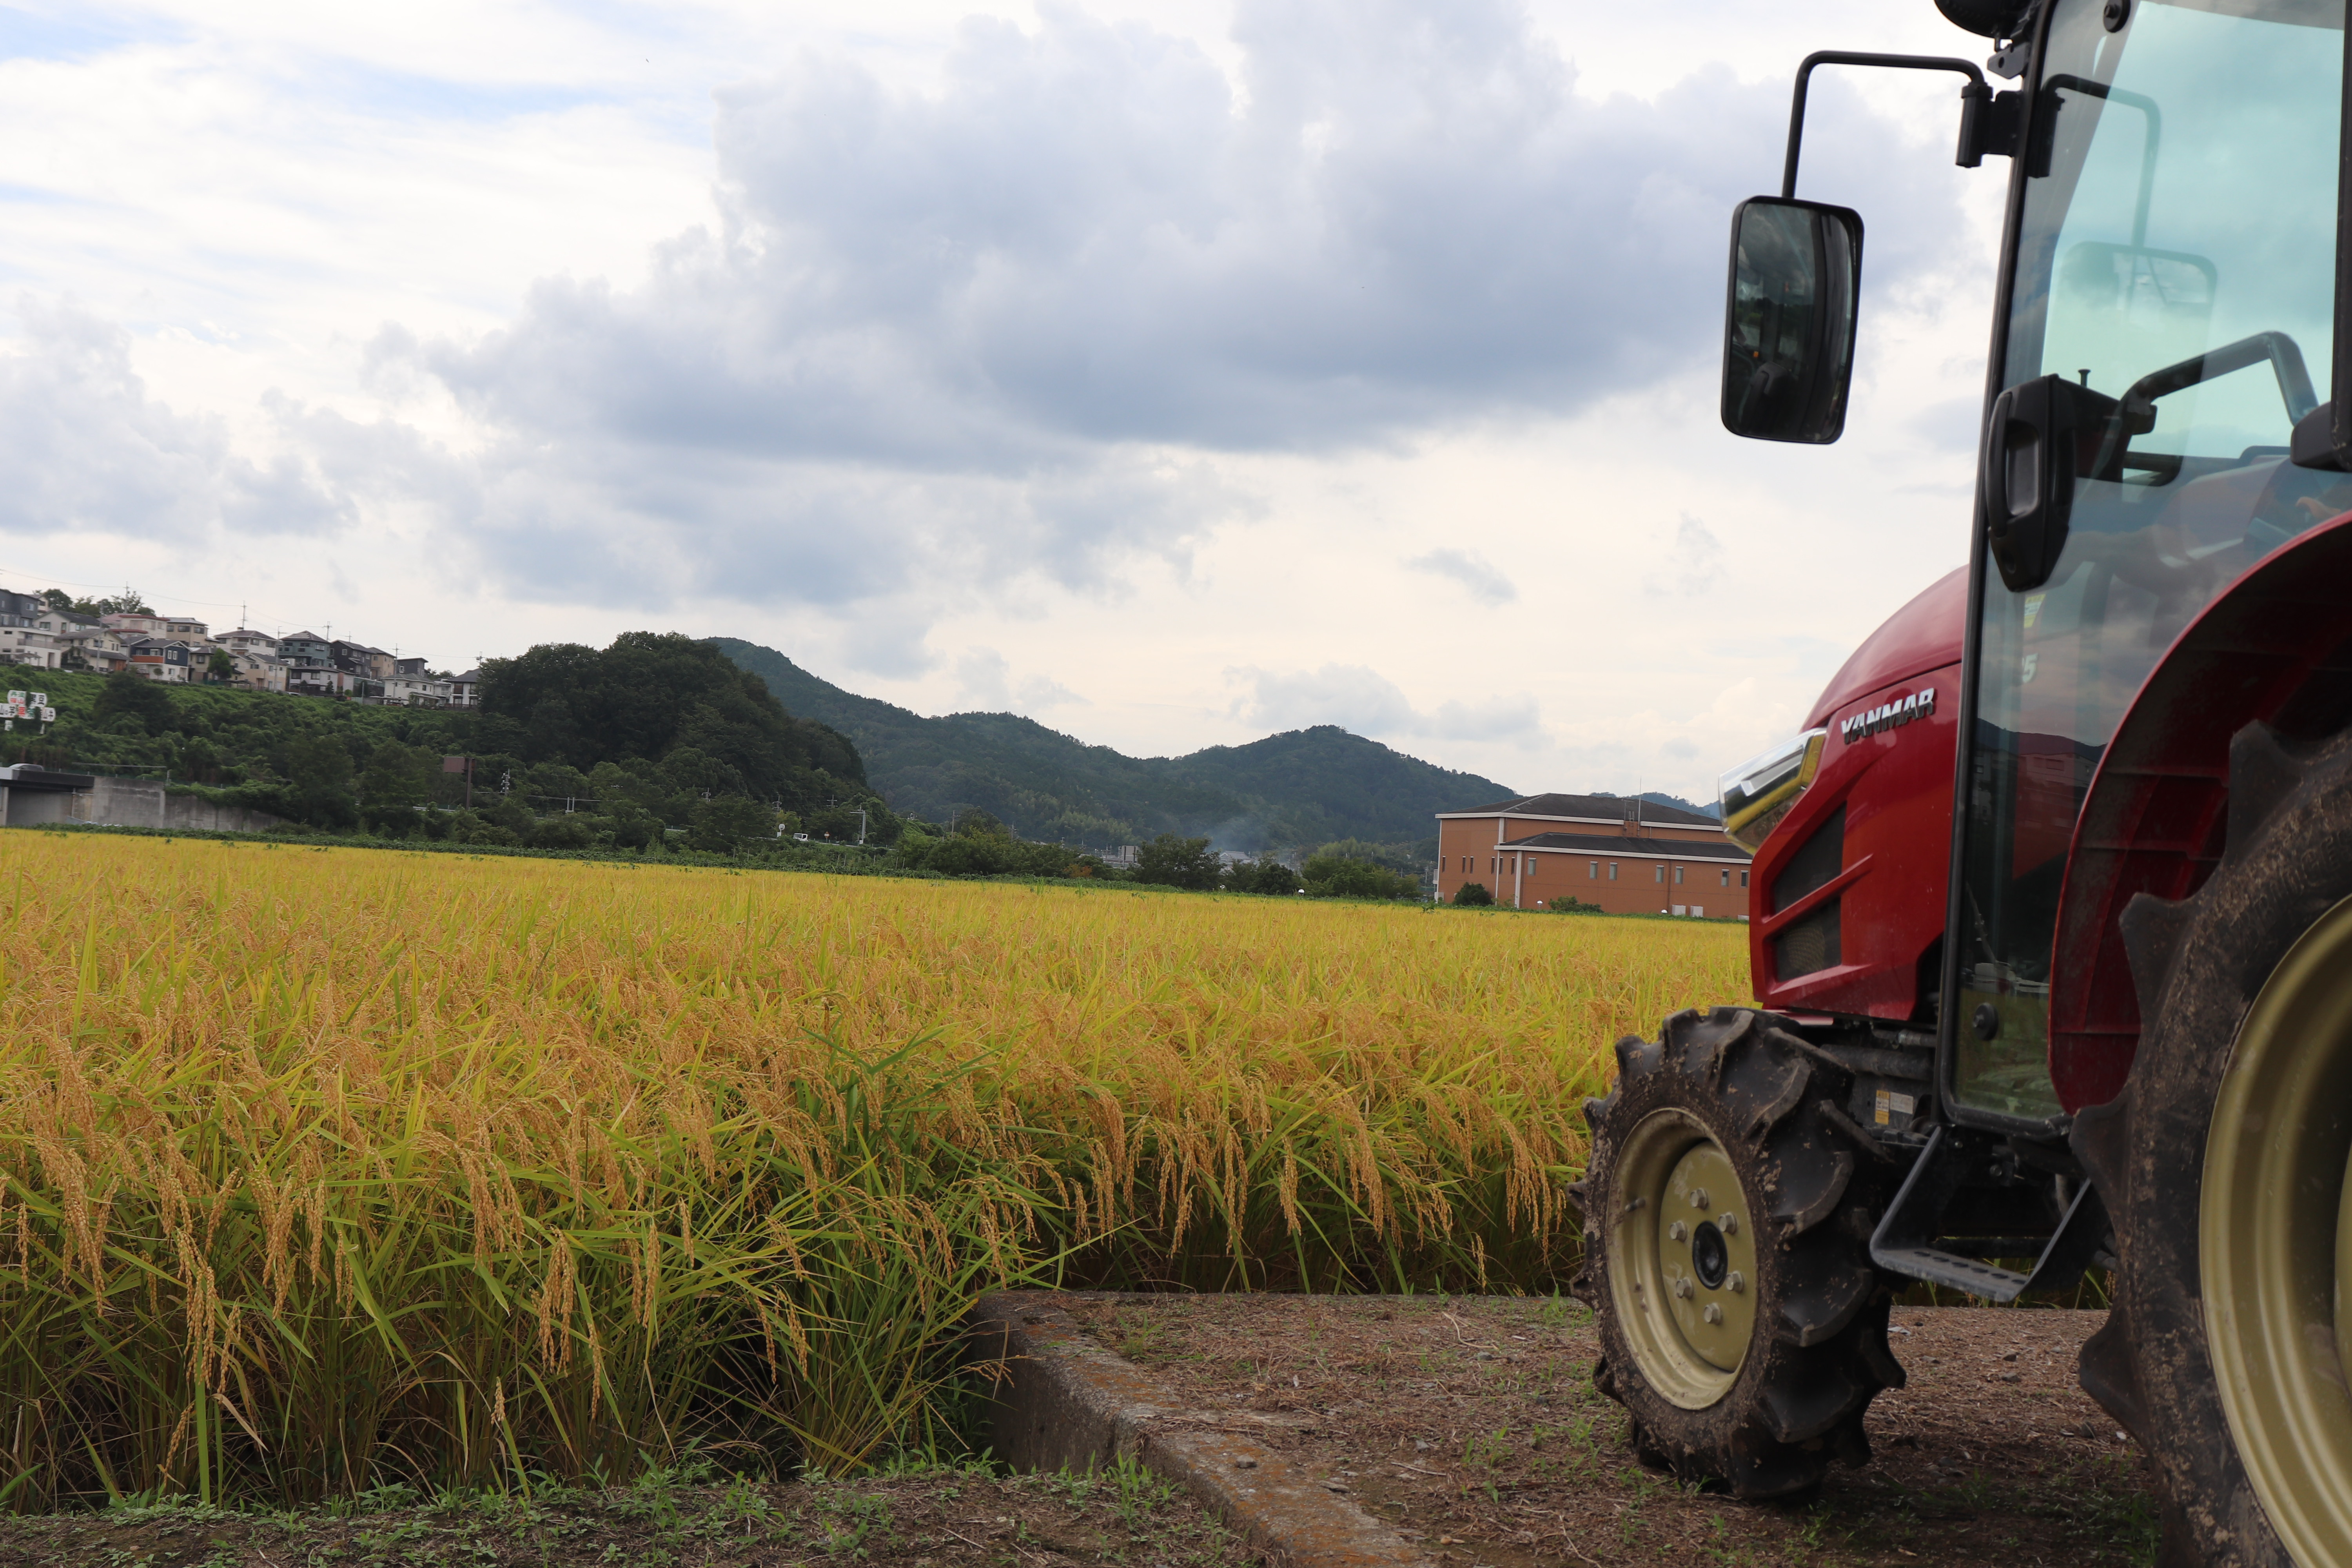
[1924,634]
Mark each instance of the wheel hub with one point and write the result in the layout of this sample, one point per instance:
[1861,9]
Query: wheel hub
[1682,1261]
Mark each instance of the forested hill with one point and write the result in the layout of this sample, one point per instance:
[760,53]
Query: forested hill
[1303,787]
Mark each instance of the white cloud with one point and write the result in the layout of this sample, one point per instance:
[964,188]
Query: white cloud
[984,683]
[1365,702]
[965,335]
[84,449]
[1691,566]
[1477,574]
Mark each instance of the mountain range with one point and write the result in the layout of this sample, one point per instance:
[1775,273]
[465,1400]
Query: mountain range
[1303,787]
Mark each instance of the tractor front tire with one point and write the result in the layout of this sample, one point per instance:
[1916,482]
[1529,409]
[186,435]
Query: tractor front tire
[2222,1166]
[1727,1208]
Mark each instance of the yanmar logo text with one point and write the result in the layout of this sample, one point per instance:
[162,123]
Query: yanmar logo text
[1889,715]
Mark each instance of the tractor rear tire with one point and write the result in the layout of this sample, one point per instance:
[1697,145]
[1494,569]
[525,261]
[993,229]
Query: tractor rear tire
[2222,1166]
[1728,1205]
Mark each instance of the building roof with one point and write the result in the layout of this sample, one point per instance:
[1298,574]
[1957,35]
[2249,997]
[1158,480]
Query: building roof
[1618,845]
[1593,807]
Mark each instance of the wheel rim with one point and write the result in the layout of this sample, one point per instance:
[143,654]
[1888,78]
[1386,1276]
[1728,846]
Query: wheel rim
[2275,1244]
[1683,1259]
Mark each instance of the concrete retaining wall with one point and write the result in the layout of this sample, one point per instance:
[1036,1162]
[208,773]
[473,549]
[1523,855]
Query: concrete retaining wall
[130,802]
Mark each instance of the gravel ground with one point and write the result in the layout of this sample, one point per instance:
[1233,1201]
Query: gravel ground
[942,1519]
[1474,1424]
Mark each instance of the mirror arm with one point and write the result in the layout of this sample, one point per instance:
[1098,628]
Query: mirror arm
[1848,58]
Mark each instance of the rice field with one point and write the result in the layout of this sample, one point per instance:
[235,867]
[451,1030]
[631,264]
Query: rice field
[328,1169]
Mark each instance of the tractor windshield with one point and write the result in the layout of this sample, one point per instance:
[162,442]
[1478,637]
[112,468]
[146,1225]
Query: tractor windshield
[2176,252]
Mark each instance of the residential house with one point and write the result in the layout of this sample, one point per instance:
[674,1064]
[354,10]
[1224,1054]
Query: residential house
[465,690]
[358,658]
[418,690]
[30,646]
[257,671]
[128,624]
[246,640]
[306,650]
[1628,856]
[20,610]
[165,659]
[88,642]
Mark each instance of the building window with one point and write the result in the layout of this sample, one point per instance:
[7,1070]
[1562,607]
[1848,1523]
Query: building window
[1743,878]
[1678,876]
[1612,870]
[1592,871]
[1658,873]
[1727,877]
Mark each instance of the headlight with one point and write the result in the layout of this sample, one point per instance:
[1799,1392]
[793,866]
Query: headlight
[1758,793]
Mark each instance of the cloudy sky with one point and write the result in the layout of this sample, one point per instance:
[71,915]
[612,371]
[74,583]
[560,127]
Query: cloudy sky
[1169,373]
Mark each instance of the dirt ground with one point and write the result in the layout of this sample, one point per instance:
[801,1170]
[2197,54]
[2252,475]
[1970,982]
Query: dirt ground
[1474,1424]
[941,1519]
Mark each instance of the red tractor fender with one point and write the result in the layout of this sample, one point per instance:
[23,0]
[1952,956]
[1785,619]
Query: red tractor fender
[2274,647]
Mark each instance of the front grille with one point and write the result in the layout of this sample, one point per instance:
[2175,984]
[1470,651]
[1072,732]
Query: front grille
[1810,945]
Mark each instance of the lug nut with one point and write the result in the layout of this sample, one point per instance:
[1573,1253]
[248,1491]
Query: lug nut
[1731,1223]
[1699,1198]
[1678,1231]
[1714,1314]
[1683,1289]
[1736,1282]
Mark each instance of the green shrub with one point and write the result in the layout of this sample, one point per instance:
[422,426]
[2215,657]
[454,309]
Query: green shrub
[1176,862]
[1473,896]
[727,821]
[1338,877]
[1262,877]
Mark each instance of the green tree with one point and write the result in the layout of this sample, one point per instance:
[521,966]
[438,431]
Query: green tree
[973,855]
[1397,858]
[654,695]
[1473,895]
[1261,876]
[726,823]
[394,786]
[319,774]
[138,697]
[1336,876]
[633,827]
[219,668]
[1178,862]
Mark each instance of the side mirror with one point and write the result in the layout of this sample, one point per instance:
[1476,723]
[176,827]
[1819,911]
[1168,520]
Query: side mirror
[1796,291]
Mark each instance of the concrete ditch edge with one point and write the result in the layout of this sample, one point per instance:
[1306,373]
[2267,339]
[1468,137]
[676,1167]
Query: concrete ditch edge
[1067,1402]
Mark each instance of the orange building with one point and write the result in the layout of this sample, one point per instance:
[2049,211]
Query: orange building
[1630,856]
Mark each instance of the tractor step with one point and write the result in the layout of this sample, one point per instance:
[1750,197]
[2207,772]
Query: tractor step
[1909,1240]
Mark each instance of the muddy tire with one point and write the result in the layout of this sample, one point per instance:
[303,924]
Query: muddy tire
[2222,1166]
[1728,1207]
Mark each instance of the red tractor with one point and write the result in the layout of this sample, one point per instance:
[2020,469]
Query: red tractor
[2052,930]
